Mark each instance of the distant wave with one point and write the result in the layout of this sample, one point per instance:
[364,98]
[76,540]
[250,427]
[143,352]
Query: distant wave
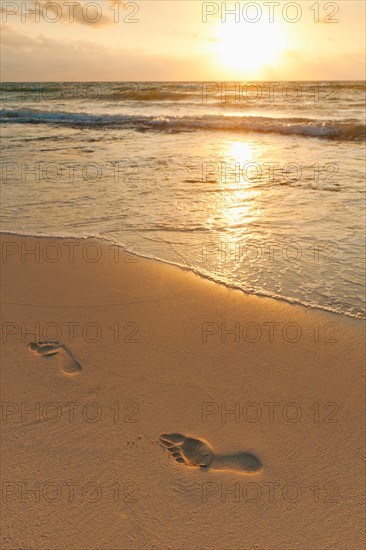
[154,95]
[345,130]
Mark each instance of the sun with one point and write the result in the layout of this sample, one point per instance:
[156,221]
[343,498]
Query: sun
[247,48]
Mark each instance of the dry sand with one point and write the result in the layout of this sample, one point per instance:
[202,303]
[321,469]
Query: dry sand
[116,424]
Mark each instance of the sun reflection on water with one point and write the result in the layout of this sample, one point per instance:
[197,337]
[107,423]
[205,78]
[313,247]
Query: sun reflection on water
[237,206]
[240,151]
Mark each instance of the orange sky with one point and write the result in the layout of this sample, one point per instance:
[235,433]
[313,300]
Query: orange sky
[183,40]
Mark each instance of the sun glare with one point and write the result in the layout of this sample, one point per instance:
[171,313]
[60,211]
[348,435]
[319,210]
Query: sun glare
[247,48]
[240,151]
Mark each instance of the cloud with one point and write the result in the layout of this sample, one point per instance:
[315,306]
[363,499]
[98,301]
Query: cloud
[44,59]
[346,66]
[40,59]
[13,39]
[64,11]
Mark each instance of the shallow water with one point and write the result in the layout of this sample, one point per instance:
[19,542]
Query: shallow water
[264,194]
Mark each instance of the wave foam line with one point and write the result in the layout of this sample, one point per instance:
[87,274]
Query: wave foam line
[347,130]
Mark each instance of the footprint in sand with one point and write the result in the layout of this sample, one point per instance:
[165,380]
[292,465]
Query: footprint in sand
[197,453]
[67,361]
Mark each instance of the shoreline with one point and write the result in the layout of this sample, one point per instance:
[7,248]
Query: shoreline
[203,275]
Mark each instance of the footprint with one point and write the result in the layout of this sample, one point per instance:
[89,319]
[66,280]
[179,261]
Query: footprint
[197,453]
[68,363]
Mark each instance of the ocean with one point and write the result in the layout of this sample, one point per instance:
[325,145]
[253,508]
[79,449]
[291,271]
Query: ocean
[259,185]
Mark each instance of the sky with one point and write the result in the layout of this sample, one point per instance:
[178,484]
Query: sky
[117,40]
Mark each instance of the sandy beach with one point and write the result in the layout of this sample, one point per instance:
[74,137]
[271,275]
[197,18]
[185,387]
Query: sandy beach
[182,275]
[144,406]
